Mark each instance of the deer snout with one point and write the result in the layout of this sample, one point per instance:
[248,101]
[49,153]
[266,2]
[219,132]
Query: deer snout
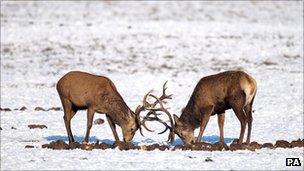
[127,139]
[189,140]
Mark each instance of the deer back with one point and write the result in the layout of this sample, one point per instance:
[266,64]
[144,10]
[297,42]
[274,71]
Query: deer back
[84,89]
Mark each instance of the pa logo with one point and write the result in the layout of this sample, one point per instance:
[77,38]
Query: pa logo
[293,162]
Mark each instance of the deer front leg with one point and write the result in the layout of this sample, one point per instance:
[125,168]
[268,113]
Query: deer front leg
[90,116]
[205,118]
[221,120]
[113,128]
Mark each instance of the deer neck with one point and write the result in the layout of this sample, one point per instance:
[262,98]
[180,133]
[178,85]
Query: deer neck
[189,120]
[189,115]
[125,118]
[119,112]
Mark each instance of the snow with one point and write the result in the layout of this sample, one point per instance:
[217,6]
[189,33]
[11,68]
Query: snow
[140,45]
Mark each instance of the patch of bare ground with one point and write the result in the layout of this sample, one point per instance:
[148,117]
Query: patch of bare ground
[200,146]
[34,126]
[38,108]
[5,109]
[98,121]
[30,146]
[268,62]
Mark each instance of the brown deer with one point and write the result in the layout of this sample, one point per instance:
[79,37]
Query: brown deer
[80,90]
[213,95]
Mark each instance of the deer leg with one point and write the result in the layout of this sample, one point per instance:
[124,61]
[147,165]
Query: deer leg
[90,116]
[113,128]
[248,110]
[68,115]
[221,120]
[205,118]
[241,115]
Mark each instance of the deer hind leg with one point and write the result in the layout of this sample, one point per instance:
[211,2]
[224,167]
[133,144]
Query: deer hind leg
[69,113]
[221,120]
[238,108]
[113,127]
[206,113]
[248,110]
[90,116]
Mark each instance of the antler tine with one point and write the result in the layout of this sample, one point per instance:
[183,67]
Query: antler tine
[164,92]
[163,96]
[145,105]
[145,102]
[143,123]
[140,109]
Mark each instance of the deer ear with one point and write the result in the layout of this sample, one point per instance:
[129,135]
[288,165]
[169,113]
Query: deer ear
[175,119]
[130,113]
[183,110]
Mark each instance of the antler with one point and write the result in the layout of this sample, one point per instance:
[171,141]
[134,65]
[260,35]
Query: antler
[155,118]
[153,111]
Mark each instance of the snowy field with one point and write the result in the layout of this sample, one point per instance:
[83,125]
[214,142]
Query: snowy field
[140,45]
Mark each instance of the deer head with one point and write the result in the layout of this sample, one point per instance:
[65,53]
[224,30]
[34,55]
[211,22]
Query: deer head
[183,130]
[130,127]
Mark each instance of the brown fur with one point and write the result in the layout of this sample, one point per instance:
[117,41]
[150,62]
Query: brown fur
[80,90]
[213,95]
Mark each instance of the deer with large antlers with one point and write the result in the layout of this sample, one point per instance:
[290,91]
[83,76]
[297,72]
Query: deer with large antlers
[80,90]
[213,95]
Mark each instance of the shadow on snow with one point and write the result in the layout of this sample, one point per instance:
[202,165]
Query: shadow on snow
[79,139]
[210,139]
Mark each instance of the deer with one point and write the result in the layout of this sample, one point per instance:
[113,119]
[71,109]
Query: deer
[214,94]
[84,91]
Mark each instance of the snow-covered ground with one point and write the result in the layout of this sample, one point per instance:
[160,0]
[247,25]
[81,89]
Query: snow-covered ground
[140,45]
